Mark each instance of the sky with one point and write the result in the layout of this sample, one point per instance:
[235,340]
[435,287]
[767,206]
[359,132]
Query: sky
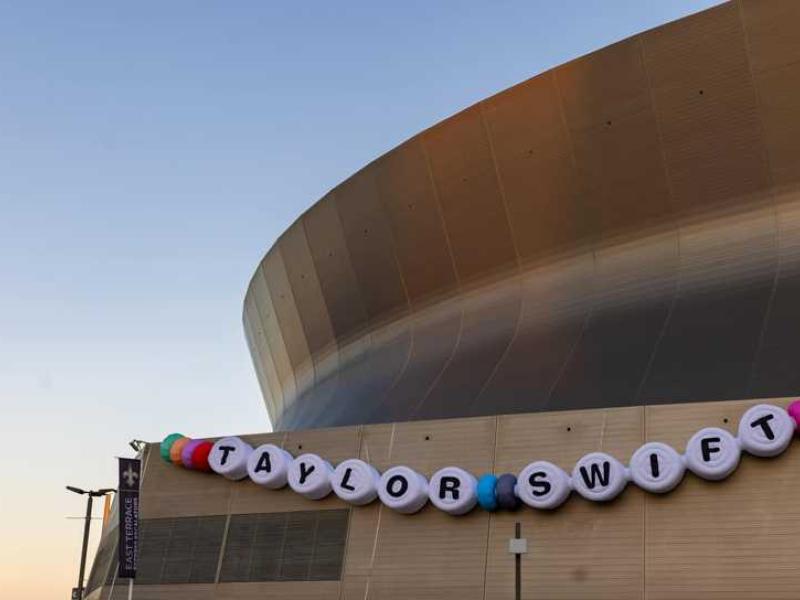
[150,153]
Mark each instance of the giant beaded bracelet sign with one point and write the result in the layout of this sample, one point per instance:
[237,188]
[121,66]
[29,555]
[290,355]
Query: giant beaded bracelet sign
[712,453]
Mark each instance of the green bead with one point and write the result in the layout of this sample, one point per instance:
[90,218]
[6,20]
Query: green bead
[167,444]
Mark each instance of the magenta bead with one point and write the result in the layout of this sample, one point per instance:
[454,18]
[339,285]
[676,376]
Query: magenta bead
[794,412]
[186,453]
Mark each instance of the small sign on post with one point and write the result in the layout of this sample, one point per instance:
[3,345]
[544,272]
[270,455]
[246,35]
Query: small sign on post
[518,546]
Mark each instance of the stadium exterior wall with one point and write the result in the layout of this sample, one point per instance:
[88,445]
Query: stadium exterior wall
[731,539]
[621,230]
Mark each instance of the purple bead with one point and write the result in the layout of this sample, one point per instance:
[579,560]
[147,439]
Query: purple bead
[794,412]
[186,453]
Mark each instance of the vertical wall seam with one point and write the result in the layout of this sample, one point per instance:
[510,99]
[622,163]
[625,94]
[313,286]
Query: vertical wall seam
[293,302]
[678,219]
[490,519]
[501,187]
[457,342]
[770,178]
[593,244]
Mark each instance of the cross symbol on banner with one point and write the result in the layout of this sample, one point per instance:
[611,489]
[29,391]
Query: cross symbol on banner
[130,476]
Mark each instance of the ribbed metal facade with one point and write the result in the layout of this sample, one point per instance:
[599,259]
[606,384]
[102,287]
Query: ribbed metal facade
[621,230]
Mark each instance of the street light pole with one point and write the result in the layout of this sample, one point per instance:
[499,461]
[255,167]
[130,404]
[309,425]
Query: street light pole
[91,495]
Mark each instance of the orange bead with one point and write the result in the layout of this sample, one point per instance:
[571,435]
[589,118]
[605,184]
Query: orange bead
[175,450]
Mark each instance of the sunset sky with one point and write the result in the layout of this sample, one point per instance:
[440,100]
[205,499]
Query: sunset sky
[150,153]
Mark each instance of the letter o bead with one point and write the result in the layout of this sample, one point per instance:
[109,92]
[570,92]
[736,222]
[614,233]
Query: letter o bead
[403,489]
[766,430]
[712,453]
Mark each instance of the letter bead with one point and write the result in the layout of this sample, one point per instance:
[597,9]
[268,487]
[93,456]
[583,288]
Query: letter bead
[310,476]
[355,481]
[229,458]
[403,489]
[657,468]
[712,453]
[453,490]
[268,466]
[599,477]
[543,485]
[766,430]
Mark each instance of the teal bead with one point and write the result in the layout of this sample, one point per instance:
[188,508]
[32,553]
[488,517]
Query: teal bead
[486,495]
[167,444]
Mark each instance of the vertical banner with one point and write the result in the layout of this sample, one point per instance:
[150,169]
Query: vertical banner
[130,471]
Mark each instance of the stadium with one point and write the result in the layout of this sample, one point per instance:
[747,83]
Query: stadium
[603,257]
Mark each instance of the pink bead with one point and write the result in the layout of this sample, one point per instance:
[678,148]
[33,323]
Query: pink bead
[794,412]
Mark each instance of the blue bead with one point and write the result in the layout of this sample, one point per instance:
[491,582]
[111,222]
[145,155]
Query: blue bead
[486,496]
[505,492]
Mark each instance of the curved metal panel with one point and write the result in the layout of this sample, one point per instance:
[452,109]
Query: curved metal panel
[536,165]
[619,230]
[705,101]
[371,246]
[285,306]
[468,191]
[406,190]
[337,279]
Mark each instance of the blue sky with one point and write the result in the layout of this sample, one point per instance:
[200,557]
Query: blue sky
[150,153]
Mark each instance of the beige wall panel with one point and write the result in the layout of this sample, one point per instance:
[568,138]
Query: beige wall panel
[406,190]
[335,444]
[171,491]
[334,268]
[355,587]
[468,443]
[724,540]
[448,554]
[779,95]
[285,306]
[472,203]
[771,27]
[306,289]
[371,246]
[429,556]
[296,590]
[536,168]
[362,537]
[582,550]
[706,107]
[274,335]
